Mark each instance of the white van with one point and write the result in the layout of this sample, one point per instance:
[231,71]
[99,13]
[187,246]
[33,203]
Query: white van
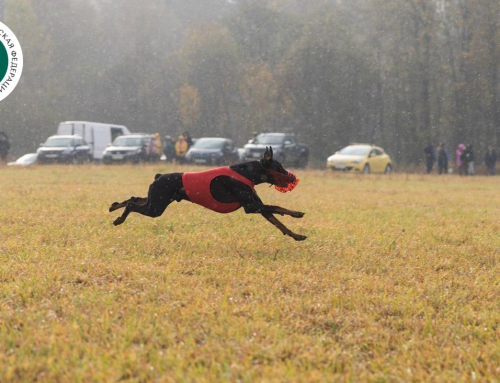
[97,135]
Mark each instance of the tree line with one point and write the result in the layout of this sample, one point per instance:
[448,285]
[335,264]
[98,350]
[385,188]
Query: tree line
[396,73]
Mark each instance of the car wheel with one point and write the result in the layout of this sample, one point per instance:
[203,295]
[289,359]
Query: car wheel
[366,169]
[302,162]
[388,169]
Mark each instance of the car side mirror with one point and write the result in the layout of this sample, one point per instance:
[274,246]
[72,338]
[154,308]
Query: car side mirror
[42,144]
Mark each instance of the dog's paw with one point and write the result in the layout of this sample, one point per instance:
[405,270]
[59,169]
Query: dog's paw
[297,214]
[299,237]
[118,221]
[113,207]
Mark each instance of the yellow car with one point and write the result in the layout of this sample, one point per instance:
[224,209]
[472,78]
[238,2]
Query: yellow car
[361,158]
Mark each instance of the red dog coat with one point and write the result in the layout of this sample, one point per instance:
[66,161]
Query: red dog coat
[197,187]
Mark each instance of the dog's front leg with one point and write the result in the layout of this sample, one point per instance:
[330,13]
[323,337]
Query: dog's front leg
[257,207]
[285,230]
[282,211]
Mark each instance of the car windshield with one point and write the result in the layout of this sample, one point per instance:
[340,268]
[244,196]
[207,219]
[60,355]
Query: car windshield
[59,142]
[355,151]
[207,143]
[128,141]
[269,139]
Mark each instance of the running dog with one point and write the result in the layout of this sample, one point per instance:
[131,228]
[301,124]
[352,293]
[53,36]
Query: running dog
[223,190]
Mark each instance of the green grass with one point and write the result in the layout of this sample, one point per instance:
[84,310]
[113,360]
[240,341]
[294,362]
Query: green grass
[399,280]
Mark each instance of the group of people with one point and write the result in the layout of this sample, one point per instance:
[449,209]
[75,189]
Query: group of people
[176,149]
[464,159]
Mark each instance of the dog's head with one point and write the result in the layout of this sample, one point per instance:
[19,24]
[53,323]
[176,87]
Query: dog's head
[283,180]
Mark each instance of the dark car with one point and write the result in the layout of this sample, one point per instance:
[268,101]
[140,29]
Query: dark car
[135,148]
[214,151]
[64,149]
[285,149]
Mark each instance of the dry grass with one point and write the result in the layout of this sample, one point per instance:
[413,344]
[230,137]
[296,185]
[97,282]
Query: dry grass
[398,281]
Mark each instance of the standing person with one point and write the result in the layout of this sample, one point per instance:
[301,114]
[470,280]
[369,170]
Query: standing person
[468,160]
[181,148]
[169,148]
[442,159]
[458,154]
[188,139]
[158,144]
[429,156]
[4,147]
[490,159]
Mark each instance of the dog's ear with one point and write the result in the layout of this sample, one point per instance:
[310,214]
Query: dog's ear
[268,155]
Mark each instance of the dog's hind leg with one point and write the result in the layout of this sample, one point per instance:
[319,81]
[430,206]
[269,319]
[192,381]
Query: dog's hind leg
[118,205]
[139,200]
[161,193]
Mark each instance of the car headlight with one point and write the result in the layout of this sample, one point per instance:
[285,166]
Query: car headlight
[68,151]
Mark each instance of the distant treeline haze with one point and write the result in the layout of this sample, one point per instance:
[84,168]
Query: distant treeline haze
[391,72]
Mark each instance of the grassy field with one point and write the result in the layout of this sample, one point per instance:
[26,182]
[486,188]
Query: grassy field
[399,280]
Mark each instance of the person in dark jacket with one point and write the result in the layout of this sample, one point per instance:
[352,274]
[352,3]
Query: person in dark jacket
[4,146]
[169,148]
[429,157]
[490,159]
[442,159]
[188,139]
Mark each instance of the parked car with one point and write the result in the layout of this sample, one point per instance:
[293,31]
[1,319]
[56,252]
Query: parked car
[361,158]
[98,135]
[212,150]
[137,147]
[64,149]
[285,148]
[26,160]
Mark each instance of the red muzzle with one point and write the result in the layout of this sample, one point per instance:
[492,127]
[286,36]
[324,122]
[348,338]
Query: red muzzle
[284,183]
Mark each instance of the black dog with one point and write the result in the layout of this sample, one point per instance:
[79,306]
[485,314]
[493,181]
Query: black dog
[223,190]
